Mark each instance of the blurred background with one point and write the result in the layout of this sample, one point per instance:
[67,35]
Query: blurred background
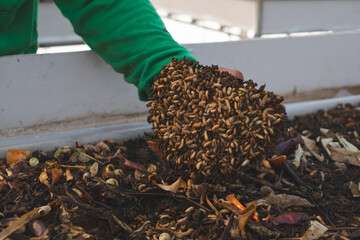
[203,21]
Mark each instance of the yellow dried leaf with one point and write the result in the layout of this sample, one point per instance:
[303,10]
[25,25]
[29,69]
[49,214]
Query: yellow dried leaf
[178,184]
[68,175]
[311,146]
[248,212]
[56,174]
[13,156]
[103,146]
[43,178]
[94,169]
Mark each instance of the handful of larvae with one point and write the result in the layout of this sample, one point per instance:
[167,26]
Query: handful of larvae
[208,122]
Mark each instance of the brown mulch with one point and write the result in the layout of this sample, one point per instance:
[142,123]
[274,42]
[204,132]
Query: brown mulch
[139,202]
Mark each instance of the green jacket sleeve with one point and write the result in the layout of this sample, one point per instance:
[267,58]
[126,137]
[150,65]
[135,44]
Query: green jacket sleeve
[7,12]
[18,26]
[127,34]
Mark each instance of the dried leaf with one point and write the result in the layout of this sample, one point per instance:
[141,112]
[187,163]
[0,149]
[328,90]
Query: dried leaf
[284,201]
[44,178]
[75,232]
[178,184]
[83,157]
[288,146]
[343,155]
[56,174]
[14,156]
[103,146]
[315,231]
[198,190]
[325,142]
[79,157]
[18,166]
[348,146]
[311,146]
[74,157]
[24,219]
[328,133]
[277,160]
[299,157]
[288,218]
[68,175]
[130,164]
[248,212]
[63,152]
[91,148]
[355,189]
[153,146]
[232,199]
[137,175]
[94,169]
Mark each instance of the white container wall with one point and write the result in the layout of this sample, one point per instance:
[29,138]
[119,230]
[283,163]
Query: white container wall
[43,92]
[279,16]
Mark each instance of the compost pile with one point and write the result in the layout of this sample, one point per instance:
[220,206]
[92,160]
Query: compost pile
[307,189]
[209,123]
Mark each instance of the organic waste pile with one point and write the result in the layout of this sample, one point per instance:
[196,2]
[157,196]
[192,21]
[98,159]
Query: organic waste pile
[306,186]
[117,191]
[211,124]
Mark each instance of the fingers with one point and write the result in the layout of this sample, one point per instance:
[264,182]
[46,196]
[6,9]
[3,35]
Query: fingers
[233,72]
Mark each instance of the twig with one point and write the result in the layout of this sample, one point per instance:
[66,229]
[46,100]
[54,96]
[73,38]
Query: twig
[91,198]
[192,201]
[218,214]
[227,228]
[94,159]
[320,206]
[295,176]
[261,181]
[122,224]
[73,167]
[24,219]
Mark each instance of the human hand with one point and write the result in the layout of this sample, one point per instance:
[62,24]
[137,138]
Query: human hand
[233,72]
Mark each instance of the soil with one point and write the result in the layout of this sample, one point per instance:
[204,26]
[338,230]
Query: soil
[88,207]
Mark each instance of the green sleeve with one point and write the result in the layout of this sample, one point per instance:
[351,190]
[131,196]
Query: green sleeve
[8,10]
[127,34]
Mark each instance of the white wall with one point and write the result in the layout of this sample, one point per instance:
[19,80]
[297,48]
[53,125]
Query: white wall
[279,16]
[291,63]
[41,89]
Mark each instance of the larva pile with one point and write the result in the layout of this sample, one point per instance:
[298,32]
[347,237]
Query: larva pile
[208,122]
